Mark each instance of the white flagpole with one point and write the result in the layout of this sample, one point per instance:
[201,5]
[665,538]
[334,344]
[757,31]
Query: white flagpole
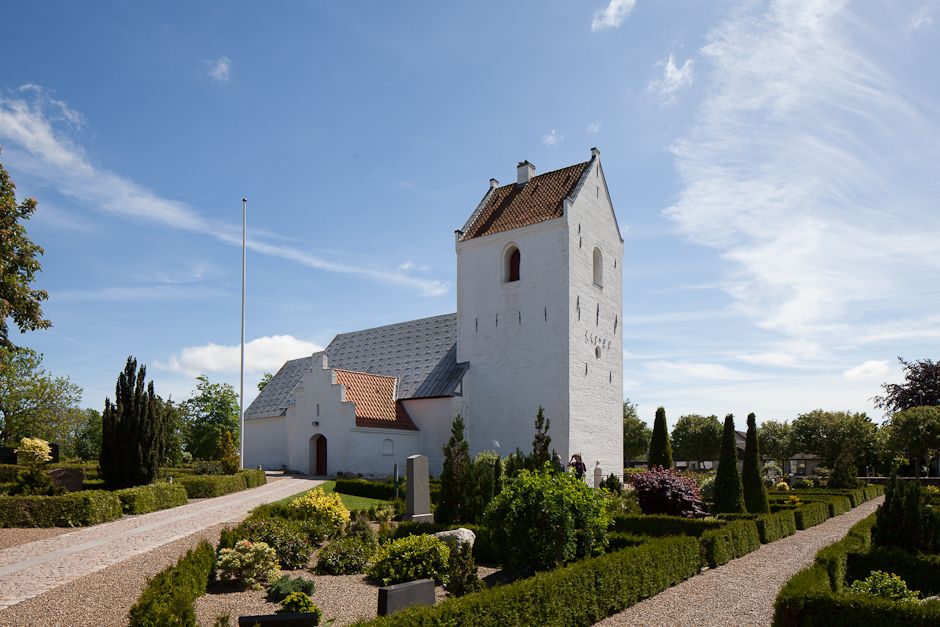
[241,374]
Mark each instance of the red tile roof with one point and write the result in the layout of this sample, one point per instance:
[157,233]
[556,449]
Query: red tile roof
[374,397]
[512,206]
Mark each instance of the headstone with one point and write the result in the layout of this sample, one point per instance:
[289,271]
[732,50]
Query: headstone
[69,478]
[305,619]
[598,475]
[402,595]
[418,495]
[457,536]
[7,455]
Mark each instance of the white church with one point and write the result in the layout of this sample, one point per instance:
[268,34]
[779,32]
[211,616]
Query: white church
[538,323]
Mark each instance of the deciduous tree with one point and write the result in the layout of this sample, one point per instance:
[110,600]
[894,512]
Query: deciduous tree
[921,387]
[776,441]
[211,411]
[696,438]
[636,433]
[828,433]
[33,403]
[915,434]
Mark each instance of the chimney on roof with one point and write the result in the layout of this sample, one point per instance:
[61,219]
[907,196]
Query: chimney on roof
[595,152]
[493,183]
[524,172]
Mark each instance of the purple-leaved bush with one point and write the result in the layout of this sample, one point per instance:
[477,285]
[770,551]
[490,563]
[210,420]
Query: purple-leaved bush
[663,491]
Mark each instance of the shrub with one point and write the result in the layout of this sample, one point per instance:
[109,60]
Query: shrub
[844,473]
[300,603]
[77,509]
[286,584]
[33,452]
[253,478]
[772,527]
[612,484]
[317,506]
[168,597]
[151,498]
[290,545]
[887,586]
[250,564]
[904,521]
[660,452]
[810,515]
[209,486]
[782,486]
[666,492]
[346,556]
[462,577]
[360,528]
[210,467]
[707,489]
[729,493]
[9,473]
[544,519]
[34,481]
[484,473]
[624,504]
[228,453]
[730,541]
[407,559]
[755,495]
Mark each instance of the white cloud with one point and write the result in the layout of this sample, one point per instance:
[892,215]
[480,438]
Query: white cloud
[872,369]
[612,15]
[593,128]
[38,148]
[812,172]
[674,79]
[220,70]
[553,138]
[923,17]
[263,354]
[671,370]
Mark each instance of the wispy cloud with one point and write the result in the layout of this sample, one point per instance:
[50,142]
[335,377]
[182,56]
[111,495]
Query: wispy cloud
[134,294]
[263,354]
[675,78]
[873,369]
[593,128]
[671,370]
[813,172]
[220,69]
[552,138]
[612,15]
[41,148]
[922,17]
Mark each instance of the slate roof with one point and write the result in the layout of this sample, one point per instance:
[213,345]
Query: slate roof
[374,397]
[512,206]
[420,354]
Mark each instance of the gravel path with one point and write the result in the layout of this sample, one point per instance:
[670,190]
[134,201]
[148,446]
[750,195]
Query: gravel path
[741,592]
[31,569]
[15,537]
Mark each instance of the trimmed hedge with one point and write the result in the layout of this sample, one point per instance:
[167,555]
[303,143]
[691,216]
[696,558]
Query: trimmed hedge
[77,509]
[920,572]
[253,478]
[208,486]
[168,597]
[150,498]
[772,527]
[731,540]
[662,525]
[581,593]
[811,514]
[617,540]
[9,472]
[384,491]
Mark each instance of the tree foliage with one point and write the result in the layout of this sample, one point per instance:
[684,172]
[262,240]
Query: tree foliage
[33,403]
[19,265]
[921,387]
[755,494]
[776,441]
[660,453]
[915,434]
[636,433]
[455,476]
[265,379]
[696,438]
[132,431]
[828,433]
[87,444]
[542,442]
[211,411]
[729,493]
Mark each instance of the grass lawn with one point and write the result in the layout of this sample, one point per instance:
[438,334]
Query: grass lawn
[351,502]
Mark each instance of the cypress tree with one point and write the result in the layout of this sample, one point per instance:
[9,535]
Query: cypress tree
[541,442]
[755,494]
[660,449]
[132,431]
[729,497]
[455,476]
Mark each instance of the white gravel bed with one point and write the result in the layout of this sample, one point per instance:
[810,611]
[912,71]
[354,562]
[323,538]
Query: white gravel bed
[17,536]
[741,592]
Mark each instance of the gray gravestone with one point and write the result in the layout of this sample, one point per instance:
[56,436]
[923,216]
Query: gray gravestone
[306,619]
[418,497]
[69,478]
[402,595]
[598,475]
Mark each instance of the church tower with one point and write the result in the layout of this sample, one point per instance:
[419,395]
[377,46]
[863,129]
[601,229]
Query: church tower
[539,313]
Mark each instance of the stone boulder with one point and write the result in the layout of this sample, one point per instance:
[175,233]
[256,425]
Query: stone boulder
[457,536]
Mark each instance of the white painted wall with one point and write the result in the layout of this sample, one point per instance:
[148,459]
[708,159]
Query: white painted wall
[266,443]
[433,416]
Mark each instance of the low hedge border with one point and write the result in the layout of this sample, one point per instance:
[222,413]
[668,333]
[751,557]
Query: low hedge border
[578,594]
[150,498]
[9,472]
[77,509]
[920,572]
[209,486]
[384,490]
[662,525]
[811,514]
[733,539]
[169,595]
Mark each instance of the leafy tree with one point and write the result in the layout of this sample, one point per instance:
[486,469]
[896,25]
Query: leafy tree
[88,438]
[132,431]
[828,433]
[636,433]
[697,438]
[19,265]
[776,441]
[915,434]
[33,403]
[729,493]
[541,453]
[660,453]
[755,495]
[212,411]
[844,473]
[455,476]
[265,379]
[175,432]
[921,387]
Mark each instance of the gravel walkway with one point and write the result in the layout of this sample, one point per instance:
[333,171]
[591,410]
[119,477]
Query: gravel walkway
[741,592]
[33,568]
[15,537]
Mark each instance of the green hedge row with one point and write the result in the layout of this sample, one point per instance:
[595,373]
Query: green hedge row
[77,509]
[168,597]
[208,486]
[9,472]
[384,490]
[733,539]
[773,527]
[617,540]
[150,498]
[578,594]
[811,514]
[662,525]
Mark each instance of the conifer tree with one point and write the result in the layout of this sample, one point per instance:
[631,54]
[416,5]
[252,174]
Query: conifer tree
[755,494]
[542,441]
[729,494]
[132,431]
[455,476]
[660,453]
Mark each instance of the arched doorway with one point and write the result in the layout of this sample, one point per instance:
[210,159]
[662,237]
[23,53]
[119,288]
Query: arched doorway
[318,455]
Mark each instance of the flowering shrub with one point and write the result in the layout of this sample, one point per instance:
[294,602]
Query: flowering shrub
[794,500]
[33,452]
[410,558]
[320,507]
[346,556]
[249,563]
[886,586]
[663,491]
[299,603]
[783,486]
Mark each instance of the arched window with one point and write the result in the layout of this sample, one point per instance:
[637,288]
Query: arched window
[598,267]
[388,447]
[511,265]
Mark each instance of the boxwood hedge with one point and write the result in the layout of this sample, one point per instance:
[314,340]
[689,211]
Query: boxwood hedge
[9,472]
[810,515]
[77,509]
[150,498]
[207,486]
[168,597]
[382,490]
[733,539]
[662,525]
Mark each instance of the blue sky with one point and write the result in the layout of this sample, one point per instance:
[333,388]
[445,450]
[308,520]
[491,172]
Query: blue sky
[774,167]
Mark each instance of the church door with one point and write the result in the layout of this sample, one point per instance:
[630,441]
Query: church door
[318,455]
